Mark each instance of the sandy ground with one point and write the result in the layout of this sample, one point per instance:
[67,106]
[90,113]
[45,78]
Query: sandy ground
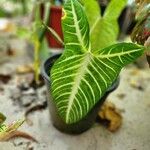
[132,97]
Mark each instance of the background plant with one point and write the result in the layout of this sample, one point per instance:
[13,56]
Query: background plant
[141,32]
[35,33]
[7,130]
[104,29]
[11,8]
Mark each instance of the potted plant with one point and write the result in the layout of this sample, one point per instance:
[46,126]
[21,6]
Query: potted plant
[141,32]
[80,79]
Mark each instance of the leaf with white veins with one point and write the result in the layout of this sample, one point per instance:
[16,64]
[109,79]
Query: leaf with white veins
[80,77]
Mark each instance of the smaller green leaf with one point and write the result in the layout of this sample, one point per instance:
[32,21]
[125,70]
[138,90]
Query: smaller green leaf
[114,9]
[106,29]
[104,34]
[92,10]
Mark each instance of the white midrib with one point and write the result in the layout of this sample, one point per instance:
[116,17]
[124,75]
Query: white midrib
[118,54]
[80,73]
[77,27]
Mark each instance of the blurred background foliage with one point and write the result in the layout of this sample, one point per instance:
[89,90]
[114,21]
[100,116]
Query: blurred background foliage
[27,14]
[29,26]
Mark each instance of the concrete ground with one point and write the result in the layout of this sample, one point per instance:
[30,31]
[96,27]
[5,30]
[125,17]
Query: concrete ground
[132,97]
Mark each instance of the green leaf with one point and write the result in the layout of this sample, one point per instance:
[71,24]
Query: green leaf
[104,34]
[92,10]
[104,31]
[114,9]
[75,26]
[80,77]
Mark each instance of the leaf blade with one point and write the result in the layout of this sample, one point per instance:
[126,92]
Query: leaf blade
[76,95]
[81,77]
[114,9]
[106,29]
[92,11]
[75,26]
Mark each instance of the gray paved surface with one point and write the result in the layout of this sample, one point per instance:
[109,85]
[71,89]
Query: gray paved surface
[134,133]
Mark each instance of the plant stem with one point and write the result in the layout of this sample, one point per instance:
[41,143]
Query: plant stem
[46,21]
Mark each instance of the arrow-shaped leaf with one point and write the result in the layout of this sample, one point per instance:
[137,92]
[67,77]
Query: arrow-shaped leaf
[80,77]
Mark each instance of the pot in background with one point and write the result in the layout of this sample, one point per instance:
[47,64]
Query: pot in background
[55,24]
[87,121]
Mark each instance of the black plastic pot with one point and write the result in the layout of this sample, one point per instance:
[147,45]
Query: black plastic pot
[83,124]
